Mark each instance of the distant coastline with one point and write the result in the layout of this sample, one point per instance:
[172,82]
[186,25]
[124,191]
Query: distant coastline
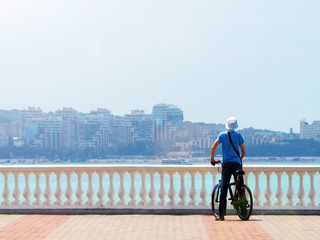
[165,161]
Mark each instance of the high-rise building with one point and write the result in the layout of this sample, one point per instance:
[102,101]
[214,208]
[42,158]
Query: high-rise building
[70,132]
[3,138]
[94,129]
[310,131]
[167,122]
[27,115]
[45,132]
[140,126]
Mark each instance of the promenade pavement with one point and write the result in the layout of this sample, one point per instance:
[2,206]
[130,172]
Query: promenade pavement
[166,227]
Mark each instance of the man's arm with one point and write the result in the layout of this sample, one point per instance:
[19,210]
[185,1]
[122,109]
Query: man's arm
[243,151]
[213,150]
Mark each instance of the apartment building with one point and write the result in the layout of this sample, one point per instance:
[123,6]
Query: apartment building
[45,132]
[70,131]
[167,122]
[310,131]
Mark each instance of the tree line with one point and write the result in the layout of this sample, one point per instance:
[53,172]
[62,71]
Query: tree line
[288,148]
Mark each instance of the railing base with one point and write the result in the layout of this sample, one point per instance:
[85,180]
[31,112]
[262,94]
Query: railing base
[127,211]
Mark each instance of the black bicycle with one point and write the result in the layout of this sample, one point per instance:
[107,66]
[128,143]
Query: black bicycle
[241,197]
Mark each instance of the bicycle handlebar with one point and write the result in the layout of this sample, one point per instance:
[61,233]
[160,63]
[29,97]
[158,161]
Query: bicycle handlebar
[218,162]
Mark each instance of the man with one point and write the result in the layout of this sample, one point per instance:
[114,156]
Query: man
[231,159]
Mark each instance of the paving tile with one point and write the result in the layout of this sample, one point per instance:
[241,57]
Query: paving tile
[292,227]
[149,227]
[234,228]
[33,227]
[7,219]
[131,226]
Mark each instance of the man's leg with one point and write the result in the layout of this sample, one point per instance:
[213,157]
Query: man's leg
[225,179]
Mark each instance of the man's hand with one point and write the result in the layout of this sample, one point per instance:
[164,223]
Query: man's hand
[214,162]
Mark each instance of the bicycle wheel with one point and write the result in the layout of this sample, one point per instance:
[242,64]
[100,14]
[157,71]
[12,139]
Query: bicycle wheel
[215,200]
[244,203]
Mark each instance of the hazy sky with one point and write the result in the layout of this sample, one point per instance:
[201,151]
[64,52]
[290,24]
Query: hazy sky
[256,60]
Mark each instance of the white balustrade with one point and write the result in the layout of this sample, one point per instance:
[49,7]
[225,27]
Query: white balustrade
[101,192]
[152,190]
[79,191]
[90,190]
[122,191]
[204,192]
[27,191]
[16,191]
[301,192]
[143,191]
[257,191]
[290,192]
[6,190]
[47,191]
[162,190]
[133,190]
[172,191]
[69,191]
[183,191]
[312,192]
[38,192]
[268,193]
[279,192]
[193,190]
[111,191]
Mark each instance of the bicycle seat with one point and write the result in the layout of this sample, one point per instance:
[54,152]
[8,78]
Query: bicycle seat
[240,172]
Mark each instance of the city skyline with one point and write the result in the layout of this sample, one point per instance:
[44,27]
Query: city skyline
[143,111]
[258,61]
[100,129]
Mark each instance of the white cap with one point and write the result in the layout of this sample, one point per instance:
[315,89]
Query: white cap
[232,123]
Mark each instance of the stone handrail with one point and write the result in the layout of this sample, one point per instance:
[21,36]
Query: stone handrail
[150,186]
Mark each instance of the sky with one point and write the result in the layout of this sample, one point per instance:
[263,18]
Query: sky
[256,60]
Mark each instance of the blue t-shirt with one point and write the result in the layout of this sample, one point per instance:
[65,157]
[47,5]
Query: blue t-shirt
[228,153]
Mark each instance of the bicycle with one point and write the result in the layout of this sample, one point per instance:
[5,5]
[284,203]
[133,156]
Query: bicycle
[241,197]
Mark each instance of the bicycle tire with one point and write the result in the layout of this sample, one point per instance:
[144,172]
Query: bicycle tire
[215,200]
[244,206]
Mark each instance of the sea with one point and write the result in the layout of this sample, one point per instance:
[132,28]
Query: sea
[210,181]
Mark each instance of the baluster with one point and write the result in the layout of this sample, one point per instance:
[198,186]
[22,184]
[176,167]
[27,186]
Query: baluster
[214,178]
[183,191]
[143,191]
[301,192]
[37,191]
[290,192]
[279,192]
[122,191]
[257,191]
[152,190]
[268,192]
[90,190]
[162,190]
[101,192]
[58,193]
[133,191]
[111,191]
[172,192]
[246,177]
[193,190]
[204,192]
[79,191]
[47,191]
[312,192]
[27,191]
[6,194]
[16,191]
[69,191]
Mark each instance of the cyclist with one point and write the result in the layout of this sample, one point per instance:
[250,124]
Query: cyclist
[231,159]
